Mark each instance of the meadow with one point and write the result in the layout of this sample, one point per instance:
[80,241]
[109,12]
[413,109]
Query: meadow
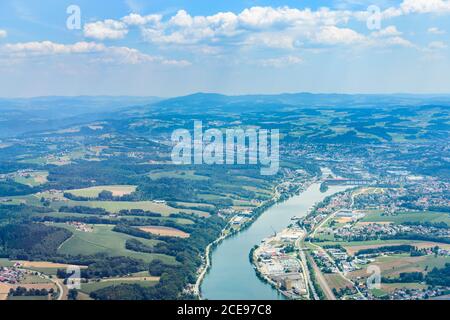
[399,218]
[92,286]
[104,240]
[93,192]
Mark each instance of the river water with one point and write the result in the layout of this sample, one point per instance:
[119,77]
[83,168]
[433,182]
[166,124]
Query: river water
[232,275]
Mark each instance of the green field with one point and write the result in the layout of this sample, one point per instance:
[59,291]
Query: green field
[117,206]
[6,262]
[391,266]
[33,179]
[104,240]
[94,286]
[425,216]
[93,192]
[365,243]
[404,263]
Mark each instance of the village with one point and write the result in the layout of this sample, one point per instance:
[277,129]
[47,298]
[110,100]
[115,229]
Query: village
[279,263]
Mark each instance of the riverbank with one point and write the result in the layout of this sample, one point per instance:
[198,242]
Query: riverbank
[277,262]
[206,265]
[227,232]
[231,275]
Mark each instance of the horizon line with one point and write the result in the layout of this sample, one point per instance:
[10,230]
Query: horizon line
[224,94]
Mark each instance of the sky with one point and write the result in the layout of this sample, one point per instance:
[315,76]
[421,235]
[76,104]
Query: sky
[170,47]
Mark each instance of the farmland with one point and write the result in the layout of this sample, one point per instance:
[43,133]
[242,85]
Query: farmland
[393,265]
[165,231]
[93,192]
[104,240]
[399,218]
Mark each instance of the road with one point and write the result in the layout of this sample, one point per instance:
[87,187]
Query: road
[300,245]
[322,281]
[307,276]
[313,234]
[62,290]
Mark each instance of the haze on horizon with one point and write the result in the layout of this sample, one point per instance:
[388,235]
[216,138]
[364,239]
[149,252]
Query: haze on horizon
[174,48]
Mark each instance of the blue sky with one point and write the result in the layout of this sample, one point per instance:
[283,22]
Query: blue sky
[170,48]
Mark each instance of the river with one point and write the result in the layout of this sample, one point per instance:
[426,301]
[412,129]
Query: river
[231,275]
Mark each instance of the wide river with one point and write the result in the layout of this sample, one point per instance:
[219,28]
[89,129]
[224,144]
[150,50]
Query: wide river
[231,275]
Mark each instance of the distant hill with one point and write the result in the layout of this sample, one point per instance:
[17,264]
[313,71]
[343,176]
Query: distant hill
[24,115]
[19,116]
[211,101]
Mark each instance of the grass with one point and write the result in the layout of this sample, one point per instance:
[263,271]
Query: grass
[6,263]
[337,281]
[76,216]
[195,204]
[94,286]
[116,206]
[378,293]
[93,192]
[47,271]
[390,287]
[393,265]
[425,216]
[364,243]
[33,179]
[104,240]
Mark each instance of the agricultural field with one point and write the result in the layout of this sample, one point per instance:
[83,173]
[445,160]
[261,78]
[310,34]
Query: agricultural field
[165,231]
[58,200]
[353,247]
[144,281]
[4,291]
[103,240]
[32,179]
[337,281]
[393,265]
[399,218]
[48,268]
[93,192]
[387,288]
[30,279]
[117,206]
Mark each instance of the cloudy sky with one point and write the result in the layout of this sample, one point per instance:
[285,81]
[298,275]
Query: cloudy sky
[173,47]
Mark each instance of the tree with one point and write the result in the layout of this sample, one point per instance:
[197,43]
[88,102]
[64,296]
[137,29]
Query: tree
[105,195]
[72,295]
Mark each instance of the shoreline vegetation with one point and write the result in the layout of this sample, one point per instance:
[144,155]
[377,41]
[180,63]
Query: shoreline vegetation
[276,199]
[309,269]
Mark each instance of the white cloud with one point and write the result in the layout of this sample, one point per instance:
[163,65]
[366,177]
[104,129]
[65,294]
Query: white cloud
[397,41]
[107,29]
[268,17]
[125,55]
[182,28]
[51,48]
[437,45]
[3,33]
[333,35]
[390,31]
[281,61]
[102,53]
[134,19]
[274,27]
[271,40]
[435,30]
[282,27]
[425,6]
